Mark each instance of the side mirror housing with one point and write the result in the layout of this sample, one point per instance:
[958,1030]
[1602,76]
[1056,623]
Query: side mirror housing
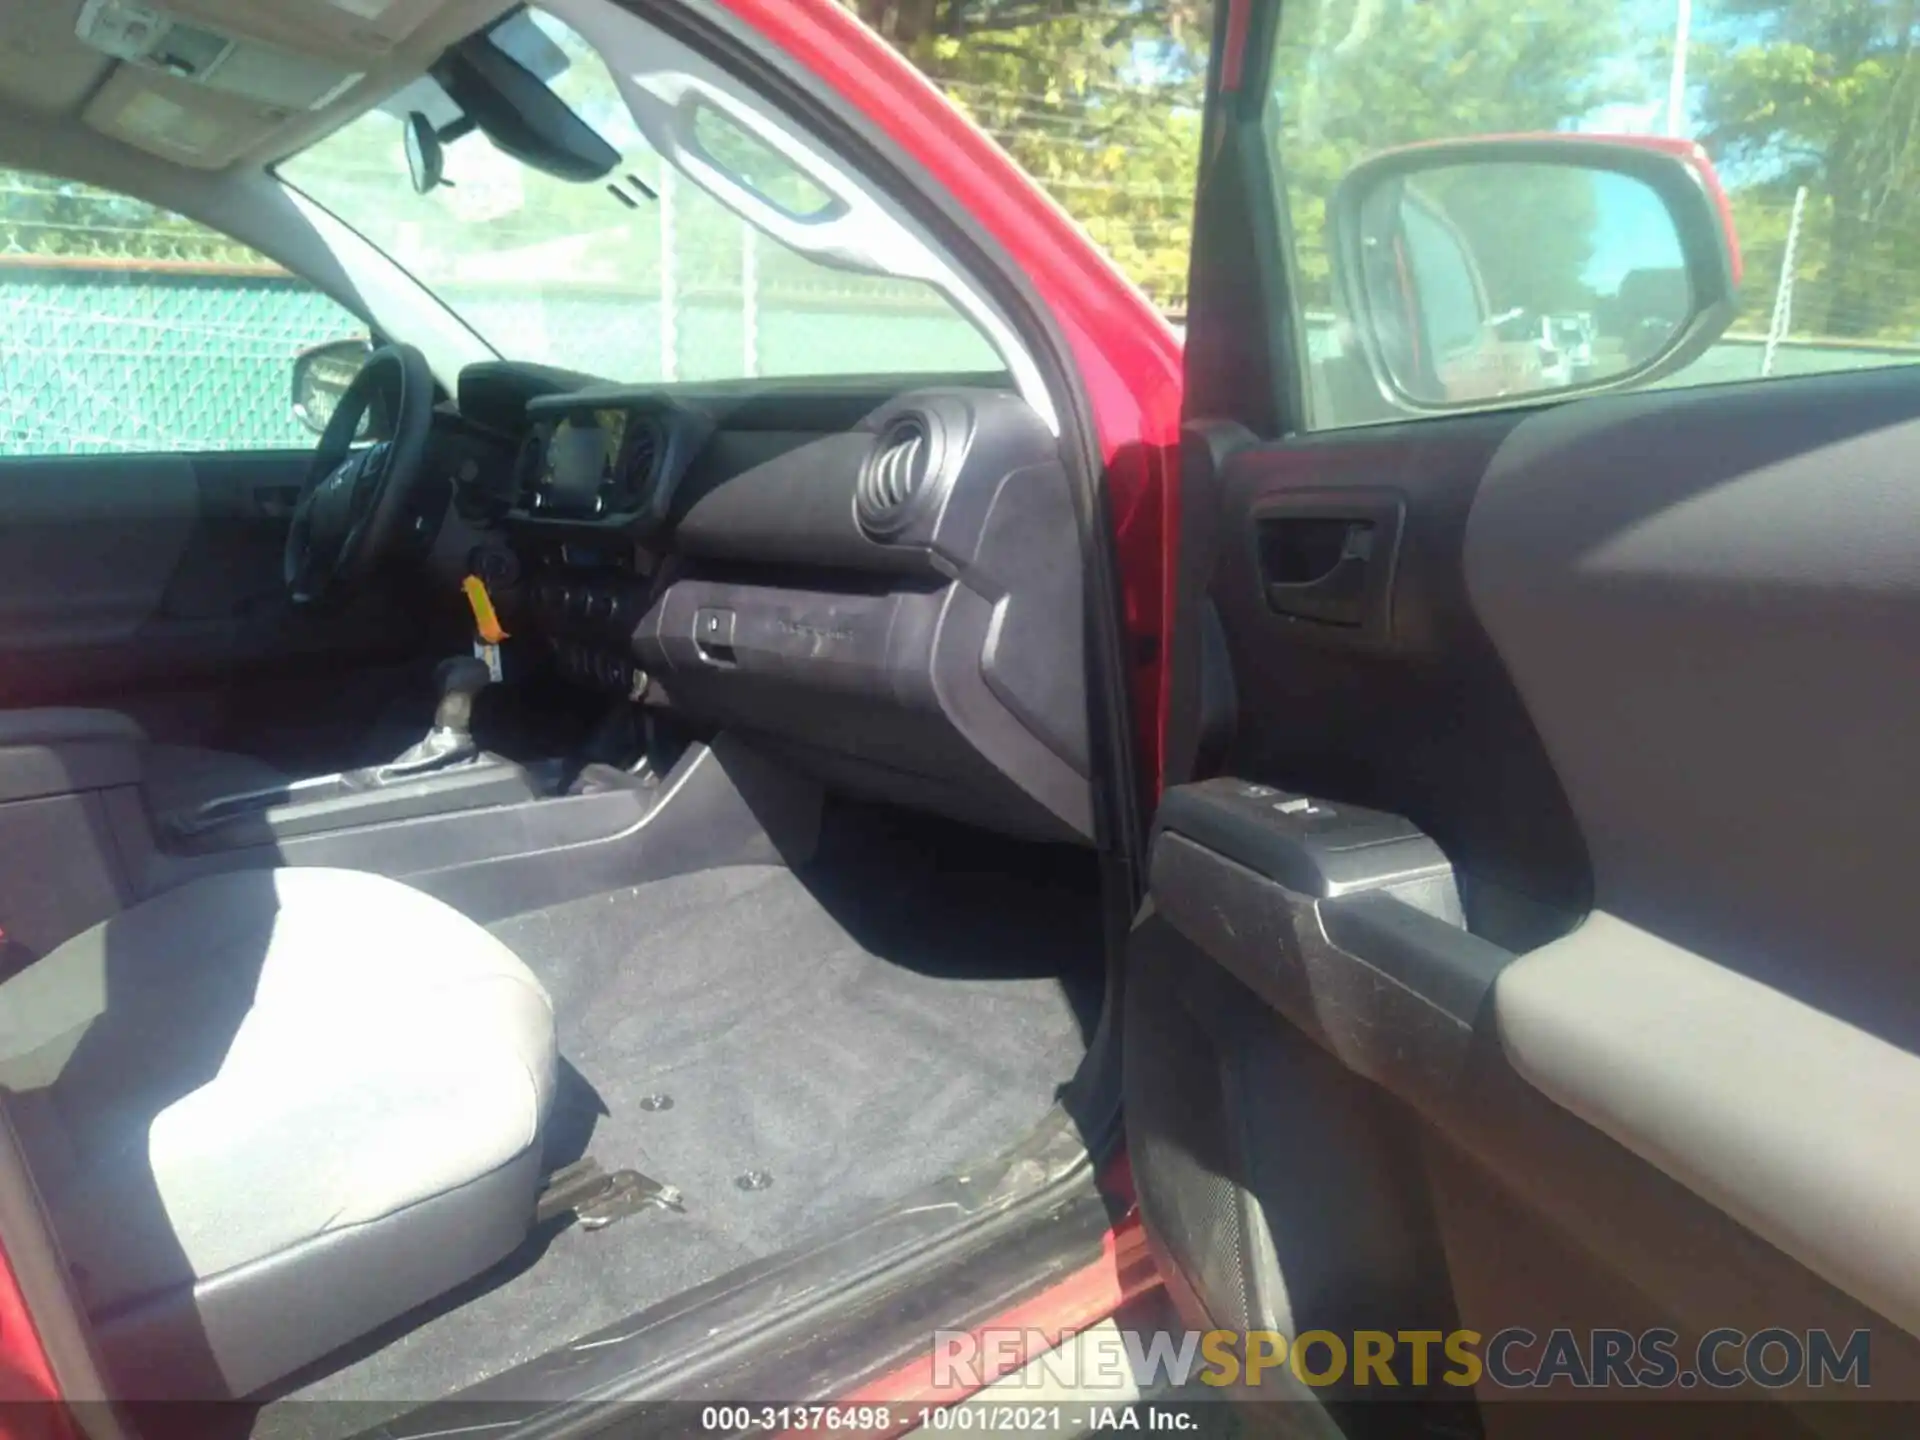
[321,375]
[1479,272]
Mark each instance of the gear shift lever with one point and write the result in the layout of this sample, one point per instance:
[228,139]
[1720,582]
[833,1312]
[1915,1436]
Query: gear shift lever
[450,741]
[461,680]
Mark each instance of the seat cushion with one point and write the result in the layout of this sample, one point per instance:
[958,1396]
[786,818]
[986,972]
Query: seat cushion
[256,1060]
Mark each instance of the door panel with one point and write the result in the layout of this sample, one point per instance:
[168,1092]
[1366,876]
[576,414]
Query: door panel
[87,547]
[1351,715]
[1709,600]
[151,584]
[1643,685]
[1641,1031]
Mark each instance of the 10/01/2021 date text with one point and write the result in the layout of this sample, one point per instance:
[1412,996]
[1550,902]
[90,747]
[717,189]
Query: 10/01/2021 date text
[973,1418]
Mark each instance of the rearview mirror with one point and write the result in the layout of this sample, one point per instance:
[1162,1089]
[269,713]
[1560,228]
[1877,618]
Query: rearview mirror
[514,108]
[426,159]
[1496,270]
[321,375]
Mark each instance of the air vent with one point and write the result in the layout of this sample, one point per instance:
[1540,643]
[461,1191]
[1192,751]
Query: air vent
[636,476]
[894,475]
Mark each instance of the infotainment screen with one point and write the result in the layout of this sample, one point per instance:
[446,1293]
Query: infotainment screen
[581,457]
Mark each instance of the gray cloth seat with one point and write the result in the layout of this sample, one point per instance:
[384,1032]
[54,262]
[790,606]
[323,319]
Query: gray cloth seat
[270,1111]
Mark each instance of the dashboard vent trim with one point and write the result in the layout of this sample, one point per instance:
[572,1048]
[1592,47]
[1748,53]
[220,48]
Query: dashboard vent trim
[894,476]
[640,464]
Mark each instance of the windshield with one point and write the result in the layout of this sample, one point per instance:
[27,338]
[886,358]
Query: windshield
[639,277]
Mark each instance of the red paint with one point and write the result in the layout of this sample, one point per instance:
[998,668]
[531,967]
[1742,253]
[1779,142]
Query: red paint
[1124,1271]
[1127,355]
[26,1379]
[1233,55]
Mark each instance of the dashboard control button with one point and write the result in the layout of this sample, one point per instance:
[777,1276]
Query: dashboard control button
[600,605]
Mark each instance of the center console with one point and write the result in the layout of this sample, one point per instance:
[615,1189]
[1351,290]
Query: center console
[442,772]
[596,473]
[589,599]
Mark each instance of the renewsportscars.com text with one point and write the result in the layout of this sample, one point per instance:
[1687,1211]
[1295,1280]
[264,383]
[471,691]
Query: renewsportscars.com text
[1513,1359]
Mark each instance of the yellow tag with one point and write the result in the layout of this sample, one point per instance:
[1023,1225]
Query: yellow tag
[484,620]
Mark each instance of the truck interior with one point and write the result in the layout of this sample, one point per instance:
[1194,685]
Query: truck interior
[384,1017]
[584,863]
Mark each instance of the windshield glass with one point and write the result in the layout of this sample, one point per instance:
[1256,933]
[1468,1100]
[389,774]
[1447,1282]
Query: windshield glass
[639,277]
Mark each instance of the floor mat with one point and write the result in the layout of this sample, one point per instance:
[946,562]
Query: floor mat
[789,1053]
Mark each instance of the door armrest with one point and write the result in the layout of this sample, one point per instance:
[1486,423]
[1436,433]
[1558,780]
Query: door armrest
[62,752]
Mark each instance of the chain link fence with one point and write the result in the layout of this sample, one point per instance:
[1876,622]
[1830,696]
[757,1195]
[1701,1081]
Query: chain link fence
[129,359]
[128,331]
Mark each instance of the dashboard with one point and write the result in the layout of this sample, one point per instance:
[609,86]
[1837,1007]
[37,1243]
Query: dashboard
[878,581]
[605,456]
[581,465]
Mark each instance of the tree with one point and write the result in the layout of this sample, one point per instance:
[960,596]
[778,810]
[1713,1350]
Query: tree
[1098,100]
[40,215]
[1826,94]
[1539,268]
[1355,77]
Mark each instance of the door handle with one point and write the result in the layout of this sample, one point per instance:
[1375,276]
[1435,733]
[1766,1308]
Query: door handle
[1317,568]
[276,502]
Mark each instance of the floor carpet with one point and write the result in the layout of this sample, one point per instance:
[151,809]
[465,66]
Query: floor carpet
[789,1050]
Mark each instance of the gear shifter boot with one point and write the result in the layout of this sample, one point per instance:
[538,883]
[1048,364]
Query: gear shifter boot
[438,749]
[450,741]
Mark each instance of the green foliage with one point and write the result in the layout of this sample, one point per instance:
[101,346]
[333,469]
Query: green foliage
[1354,77]
[1783,93]
[41,216]
[1823,94]
[1539,269]
[1099,101]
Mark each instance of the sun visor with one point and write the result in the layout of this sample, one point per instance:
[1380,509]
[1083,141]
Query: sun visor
[217,59]
[348,32]
[180,121]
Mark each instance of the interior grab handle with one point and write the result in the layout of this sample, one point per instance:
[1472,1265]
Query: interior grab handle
[1326,559]
[1338,596]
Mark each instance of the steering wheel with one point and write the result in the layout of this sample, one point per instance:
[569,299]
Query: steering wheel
[355,501]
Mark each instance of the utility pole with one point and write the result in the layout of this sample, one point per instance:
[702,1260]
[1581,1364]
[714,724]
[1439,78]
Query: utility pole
[749,301]
[1783,292]
[669,279]
[1677,80]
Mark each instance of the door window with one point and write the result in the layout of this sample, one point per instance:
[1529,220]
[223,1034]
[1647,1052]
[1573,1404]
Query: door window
[125,329]
[1806,111]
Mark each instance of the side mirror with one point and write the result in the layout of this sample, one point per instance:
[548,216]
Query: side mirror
[1495,270]
[321,375]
